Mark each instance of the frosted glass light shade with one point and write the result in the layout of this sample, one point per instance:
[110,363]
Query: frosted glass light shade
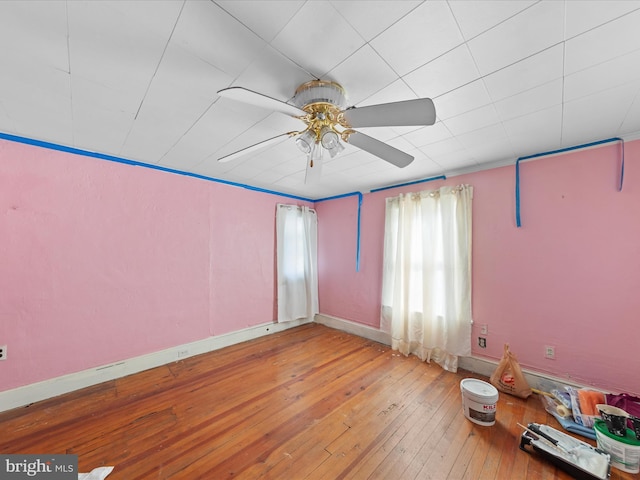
[306,141]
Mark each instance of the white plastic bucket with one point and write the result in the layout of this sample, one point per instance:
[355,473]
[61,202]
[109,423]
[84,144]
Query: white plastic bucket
[624,451]
[479,401]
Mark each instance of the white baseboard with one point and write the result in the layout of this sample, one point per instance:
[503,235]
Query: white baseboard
[477,365]
[354,328]
[537,380]
[35,392]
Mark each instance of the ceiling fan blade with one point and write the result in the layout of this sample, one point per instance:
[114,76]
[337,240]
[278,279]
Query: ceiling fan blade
[380,149]
[254,148]
[420,111]
[259,100]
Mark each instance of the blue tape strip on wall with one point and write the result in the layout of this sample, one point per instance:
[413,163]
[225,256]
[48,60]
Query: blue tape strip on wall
[537,155]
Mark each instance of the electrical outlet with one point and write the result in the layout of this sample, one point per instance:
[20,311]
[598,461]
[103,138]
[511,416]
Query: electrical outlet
[3,352]
[549,352]
[482,342]
[183,353]
[484,329]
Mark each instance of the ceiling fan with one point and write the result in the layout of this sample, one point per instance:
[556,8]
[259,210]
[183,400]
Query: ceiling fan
[321,105]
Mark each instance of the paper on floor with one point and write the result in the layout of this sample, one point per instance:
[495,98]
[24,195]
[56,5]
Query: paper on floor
[96,474]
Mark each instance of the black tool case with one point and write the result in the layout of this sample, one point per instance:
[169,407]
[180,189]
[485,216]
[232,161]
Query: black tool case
[577,458]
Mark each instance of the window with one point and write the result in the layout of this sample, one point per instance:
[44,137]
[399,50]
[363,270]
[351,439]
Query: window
[426,290]
[297,265]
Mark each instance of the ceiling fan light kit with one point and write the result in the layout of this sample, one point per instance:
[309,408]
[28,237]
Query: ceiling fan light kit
[321,105]
[323,101]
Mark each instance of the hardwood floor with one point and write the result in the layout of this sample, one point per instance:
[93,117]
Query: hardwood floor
[306,403]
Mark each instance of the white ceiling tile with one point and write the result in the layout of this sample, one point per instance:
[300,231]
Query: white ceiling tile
[151,81]
[36,82]
[370,18]
[597,116]
[100,130]
[487,144]
[265,18]
[475,17]
[182,89]
[359,161]
[210,33]
[583,16]
[463,99]
[364,74]
[333,165]
[532,100]
[427,135]
[632,118]
[394,92]
[6,123]
[49,110]
[49,120]
[611,40]
[417,39]
[492,152]
[390,176]
[113,56]
[317,38]
[116,50]
[35,31]
[422,166]
[452,162]
[531,31]
[219,126]
[447,72]
[528,73]
[182,80]
[443,147]
[473,120]
[292,181]
[248,170]
[269,177]
[273,75]
[490,134]
[401,144]
[535,133]
[272,125]
[620,70]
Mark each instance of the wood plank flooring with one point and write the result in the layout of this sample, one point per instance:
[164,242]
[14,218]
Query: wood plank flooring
[307,403]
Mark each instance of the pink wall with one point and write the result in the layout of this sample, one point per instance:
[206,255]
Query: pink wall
[569,277]
[101,261]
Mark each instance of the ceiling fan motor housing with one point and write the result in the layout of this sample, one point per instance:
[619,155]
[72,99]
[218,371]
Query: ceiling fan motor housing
[320,91]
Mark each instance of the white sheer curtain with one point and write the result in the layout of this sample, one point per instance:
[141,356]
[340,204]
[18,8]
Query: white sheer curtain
[297,264]
[426,282]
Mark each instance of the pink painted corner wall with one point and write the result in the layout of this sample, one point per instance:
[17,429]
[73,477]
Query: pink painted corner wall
[569,277]
[102,261]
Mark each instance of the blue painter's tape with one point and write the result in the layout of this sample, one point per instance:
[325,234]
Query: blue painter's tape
[360,198]
[110,158]
[621,166]
[562,150]
[518,222]
[358,237]
[358,226]
[351,194]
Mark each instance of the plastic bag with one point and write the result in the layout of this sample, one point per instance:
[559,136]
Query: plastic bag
[508,377]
